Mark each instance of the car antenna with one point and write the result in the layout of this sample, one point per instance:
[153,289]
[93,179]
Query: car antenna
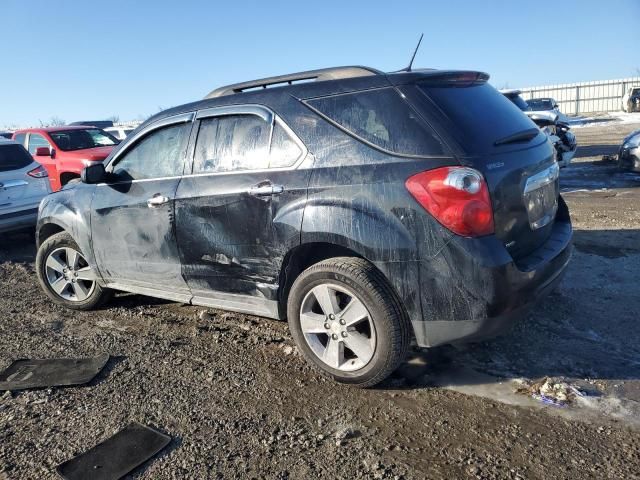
[408,68]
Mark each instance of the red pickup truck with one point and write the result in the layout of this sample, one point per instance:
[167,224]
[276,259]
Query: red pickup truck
[65,151]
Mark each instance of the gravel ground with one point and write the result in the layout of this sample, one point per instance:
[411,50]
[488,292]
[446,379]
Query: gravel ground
[239,402]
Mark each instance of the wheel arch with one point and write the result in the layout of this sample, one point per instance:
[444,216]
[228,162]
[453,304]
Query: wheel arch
[46,230]
[401,276]
[66,177]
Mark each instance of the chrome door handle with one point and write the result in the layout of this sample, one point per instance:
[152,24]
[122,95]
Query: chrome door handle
[13,183]
[264,190]
[156,201]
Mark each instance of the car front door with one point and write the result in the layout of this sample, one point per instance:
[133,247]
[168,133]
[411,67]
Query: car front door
[132,214]
[241,209]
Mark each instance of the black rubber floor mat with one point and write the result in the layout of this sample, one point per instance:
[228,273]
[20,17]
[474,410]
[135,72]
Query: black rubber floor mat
[117,455]
[51,372]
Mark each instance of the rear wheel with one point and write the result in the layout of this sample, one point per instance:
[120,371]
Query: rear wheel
[347,321]
[66,276]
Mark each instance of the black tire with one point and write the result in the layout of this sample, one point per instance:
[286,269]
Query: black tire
[95,299]
[392,327]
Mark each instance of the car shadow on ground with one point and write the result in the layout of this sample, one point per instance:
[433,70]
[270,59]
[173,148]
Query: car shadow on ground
[596,150]
[596,175]
[18,246]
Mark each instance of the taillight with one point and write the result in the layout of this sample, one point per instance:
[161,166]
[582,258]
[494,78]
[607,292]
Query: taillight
[458,197]
[38,172]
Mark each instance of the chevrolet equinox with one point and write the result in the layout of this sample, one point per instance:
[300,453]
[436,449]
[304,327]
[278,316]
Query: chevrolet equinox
[369,209]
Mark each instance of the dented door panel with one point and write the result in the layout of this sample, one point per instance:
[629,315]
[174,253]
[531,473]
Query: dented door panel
[233,241]
[134,242]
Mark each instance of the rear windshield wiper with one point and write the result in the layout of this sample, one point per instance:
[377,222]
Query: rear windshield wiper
[523,136]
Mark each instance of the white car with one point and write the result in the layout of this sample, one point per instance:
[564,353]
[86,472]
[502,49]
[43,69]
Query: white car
[551,124]
[119,132]
[631,99]
[547,104]
[23,183]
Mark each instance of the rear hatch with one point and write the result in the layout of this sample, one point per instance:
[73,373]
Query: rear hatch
[18,189]
[489,133]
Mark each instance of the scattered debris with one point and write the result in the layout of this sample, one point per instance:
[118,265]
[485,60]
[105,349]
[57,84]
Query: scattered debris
[550,392]
[548,400]
[345,434]
[117,455]
[288,349]
[51,372]
[609,158]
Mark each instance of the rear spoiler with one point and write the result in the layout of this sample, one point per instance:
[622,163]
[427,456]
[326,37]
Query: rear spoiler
[439,78]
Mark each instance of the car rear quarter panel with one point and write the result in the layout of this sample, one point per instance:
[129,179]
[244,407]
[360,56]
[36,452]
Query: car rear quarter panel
[357,199]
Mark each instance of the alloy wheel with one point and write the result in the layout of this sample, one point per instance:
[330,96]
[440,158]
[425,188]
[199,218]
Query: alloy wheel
[337,327]
[69,275]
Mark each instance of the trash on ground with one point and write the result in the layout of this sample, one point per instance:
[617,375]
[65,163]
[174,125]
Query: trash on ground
[550,392]
[548,400]
[51,372]
[609,158]
[117,455]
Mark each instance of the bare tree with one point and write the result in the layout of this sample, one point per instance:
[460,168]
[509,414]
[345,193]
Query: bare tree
[56,121]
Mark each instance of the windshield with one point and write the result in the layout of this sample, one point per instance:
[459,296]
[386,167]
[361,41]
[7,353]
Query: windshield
[67,140]
[540,104]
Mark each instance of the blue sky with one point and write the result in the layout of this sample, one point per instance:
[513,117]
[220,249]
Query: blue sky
[81,60]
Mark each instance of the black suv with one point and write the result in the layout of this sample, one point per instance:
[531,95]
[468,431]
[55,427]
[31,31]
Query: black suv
[368,208]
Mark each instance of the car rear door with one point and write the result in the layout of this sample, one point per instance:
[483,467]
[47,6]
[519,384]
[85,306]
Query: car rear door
[241,209]
[132,213]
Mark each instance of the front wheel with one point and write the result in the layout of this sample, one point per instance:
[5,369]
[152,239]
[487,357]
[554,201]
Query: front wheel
[348,322]
[66,276]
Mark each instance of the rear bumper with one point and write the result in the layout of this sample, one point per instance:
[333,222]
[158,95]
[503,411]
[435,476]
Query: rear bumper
[474,289]
[17,220]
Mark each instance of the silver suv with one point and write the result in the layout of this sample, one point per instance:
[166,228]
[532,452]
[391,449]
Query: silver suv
[23,183]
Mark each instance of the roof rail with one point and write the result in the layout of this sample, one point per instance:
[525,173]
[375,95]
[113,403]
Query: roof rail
[281,80]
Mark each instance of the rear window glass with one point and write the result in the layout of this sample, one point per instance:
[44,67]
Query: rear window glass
[480,114]
[382,118]
[13,157]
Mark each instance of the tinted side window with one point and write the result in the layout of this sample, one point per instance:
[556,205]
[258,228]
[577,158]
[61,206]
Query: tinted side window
[284,151]
[13,157]
[36,140]
[230,143]
[381,117]
[159,154]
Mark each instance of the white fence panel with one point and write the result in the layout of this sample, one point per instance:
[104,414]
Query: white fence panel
[585,97]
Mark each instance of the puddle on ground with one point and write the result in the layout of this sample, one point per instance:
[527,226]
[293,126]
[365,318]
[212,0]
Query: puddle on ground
[601,402]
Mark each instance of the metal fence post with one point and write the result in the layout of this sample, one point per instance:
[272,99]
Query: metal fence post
[577,99]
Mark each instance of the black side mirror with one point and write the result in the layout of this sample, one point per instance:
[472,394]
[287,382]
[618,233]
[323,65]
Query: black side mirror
[93,173]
